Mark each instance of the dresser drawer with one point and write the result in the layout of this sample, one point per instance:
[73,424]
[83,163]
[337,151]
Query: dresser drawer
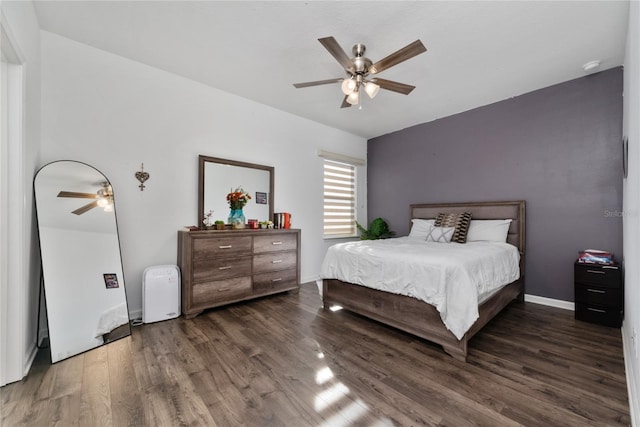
[222,268]
[598,295]
[272,262]
[207,293]
[275,242]
[275,281]
[598,274]
[597,314]
[221,246]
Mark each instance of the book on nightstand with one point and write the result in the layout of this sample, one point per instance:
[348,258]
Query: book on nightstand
[595,256]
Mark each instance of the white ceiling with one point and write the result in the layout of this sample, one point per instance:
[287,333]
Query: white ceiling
[479,52]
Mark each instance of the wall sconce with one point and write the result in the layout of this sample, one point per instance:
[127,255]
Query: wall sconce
[142,176]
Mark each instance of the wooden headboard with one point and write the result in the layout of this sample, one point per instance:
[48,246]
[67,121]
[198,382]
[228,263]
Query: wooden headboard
[481,210]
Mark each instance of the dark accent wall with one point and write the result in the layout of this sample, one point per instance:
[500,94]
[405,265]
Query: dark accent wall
[558,148]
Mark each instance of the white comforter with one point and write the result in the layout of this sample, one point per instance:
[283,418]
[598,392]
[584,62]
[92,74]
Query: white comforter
[111,319]
[451,276]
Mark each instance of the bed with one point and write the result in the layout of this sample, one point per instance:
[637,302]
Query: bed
[421,318]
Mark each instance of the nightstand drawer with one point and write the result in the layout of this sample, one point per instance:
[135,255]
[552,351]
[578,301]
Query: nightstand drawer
[602,275]
[598,295]
[601,315]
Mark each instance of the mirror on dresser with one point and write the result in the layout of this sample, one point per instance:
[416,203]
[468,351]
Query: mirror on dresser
[81,265]
[217,177]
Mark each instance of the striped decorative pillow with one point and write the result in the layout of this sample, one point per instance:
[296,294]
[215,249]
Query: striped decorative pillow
[460,221]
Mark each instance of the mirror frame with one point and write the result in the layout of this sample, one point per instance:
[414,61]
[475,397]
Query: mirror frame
[202,160]
[46,286]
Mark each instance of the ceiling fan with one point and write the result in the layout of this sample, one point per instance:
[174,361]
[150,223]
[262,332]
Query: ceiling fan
[360,67]
[104,198]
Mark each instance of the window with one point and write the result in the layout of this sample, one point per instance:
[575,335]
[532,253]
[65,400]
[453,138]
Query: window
[339,199]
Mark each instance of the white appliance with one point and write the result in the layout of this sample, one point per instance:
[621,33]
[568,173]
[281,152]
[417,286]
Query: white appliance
[160,293]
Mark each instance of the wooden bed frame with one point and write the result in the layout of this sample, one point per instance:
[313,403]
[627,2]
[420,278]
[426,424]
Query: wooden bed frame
[418,317]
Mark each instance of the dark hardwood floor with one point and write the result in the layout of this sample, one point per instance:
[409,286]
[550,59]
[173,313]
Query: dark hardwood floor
[284,361]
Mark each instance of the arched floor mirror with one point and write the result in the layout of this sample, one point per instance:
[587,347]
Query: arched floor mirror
[81,265]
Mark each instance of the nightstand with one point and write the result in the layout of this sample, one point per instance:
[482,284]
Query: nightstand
[598,293]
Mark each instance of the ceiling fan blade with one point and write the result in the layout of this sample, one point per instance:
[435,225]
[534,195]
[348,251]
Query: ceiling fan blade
[393,86]
[336,51]
[345,104]
[317,83]
[86,208]
[77,195]
[407,52]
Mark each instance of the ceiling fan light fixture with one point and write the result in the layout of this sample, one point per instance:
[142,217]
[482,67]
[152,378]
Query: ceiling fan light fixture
[348,86]
[353,98]
[360,67]
[372,89]
[108,208]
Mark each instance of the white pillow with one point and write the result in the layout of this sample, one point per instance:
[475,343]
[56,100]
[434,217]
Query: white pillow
[488,230]
[440,234]
[420,227]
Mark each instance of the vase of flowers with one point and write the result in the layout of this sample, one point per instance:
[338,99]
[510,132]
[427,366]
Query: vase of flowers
[237,199]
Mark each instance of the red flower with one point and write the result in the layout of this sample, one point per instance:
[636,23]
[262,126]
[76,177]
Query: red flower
[238,198]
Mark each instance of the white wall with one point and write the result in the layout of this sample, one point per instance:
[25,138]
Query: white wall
[20,21]
[114,114]
[631,197]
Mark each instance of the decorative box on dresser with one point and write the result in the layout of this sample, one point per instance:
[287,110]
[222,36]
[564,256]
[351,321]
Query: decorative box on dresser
[598,293]
[221,267]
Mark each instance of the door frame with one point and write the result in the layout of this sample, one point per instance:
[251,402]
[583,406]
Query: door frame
[13,237]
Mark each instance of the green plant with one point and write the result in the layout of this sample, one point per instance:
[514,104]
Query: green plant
[378,229]
[219,221]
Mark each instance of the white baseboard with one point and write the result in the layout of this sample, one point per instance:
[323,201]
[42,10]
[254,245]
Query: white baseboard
[309,279]
[135,314]
[632,386]
[30,358]
[43,334]
[567,305]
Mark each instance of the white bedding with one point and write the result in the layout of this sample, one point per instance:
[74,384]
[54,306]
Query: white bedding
[111,319]
[453,277]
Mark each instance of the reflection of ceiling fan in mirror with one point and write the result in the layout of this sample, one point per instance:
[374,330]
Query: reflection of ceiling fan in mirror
[103,198]
[360,67]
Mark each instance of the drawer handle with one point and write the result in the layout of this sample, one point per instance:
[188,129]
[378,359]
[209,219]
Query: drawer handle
[597,310]
[597,291]
[223,289]
[595,272]
[276,261]
[226,267]
[276,243]
[225,246]
[276,280]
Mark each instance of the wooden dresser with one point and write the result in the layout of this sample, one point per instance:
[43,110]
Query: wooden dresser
[221,267]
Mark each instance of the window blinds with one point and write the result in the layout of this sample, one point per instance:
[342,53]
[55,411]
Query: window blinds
[339,199]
